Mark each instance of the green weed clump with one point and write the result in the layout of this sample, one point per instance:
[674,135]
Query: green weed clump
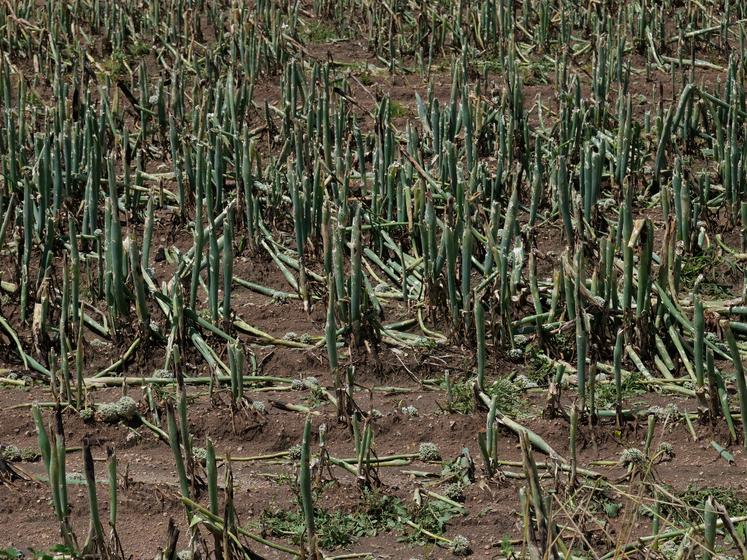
[378,513]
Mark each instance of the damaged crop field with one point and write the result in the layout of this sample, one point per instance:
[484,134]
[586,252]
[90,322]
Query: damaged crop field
[373,279]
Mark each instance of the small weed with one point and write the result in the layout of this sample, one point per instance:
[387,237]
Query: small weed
[710,272]
[507,549]
[541,370]
[319,32]
[536,74]
[693,503]
[507,399]
[605,504]
[58,552]
[397,110]
[336,529]
[631,385]
[461,470]
[378,513]
[116,64]
[462,400]
[433,516]
[138,49]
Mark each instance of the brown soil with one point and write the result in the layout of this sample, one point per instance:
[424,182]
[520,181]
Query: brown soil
[148,492]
